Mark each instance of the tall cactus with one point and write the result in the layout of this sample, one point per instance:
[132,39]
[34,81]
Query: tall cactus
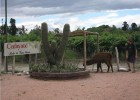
[53,52]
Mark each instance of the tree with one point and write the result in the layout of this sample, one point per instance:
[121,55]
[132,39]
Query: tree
[134,27]
[125,26]
[2,30]
[36,30]
[21,30]
[13,29]
[114,27]
[56,30]
[139,28]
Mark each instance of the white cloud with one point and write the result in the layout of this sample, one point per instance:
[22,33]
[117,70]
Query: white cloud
[75,22]
[59,12]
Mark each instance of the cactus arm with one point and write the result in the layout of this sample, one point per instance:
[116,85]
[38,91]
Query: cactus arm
[45,40]
[47,49]
[61,48]
[54,53]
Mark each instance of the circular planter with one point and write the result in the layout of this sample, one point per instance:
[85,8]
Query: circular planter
[59,75]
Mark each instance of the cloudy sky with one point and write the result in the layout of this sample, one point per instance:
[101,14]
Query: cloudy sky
[77,13]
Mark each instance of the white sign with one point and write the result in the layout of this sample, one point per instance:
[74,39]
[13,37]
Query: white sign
[21,48]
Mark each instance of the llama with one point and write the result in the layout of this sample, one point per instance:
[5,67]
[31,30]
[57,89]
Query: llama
[102,57]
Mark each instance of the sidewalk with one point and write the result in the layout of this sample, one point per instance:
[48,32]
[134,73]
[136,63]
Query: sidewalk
[18,67]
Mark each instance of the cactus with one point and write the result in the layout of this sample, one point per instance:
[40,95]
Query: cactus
[53,52]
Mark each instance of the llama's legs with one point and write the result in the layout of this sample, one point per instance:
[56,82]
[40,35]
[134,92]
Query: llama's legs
[108,65]
[99,67]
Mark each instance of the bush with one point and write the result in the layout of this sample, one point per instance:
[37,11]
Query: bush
[55,69]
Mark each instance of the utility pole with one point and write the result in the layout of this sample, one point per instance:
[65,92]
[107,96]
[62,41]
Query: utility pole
[6,58]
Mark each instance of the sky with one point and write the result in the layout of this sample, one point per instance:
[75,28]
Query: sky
[77,13]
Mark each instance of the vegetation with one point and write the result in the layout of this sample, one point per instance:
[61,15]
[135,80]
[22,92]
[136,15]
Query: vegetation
[54,51]
[55,69]
[109,37]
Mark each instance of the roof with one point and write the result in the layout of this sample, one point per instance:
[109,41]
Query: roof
[79,33]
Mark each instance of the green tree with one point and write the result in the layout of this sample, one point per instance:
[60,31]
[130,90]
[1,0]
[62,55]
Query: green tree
[56,30]
[134,27]
[13,29]
[1,30]
[36,30]
[139,28]
[125,26]
[21,30]
[114,27]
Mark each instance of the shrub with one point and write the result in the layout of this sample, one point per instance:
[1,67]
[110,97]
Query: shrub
[55,69]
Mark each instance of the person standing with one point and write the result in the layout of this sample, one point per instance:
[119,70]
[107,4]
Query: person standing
[131,54]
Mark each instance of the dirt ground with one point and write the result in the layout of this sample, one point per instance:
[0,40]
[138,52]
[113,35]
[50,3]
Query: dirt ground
[99,86]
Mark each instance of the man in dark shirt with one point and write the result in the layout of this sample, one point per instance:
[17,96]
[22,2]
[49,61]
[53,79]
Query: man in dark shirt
[131,54]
